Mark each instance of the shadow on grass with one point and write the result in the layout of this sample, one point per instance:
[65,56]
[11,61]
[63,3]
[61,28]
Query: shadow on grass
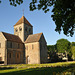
[37,71]
[6,68]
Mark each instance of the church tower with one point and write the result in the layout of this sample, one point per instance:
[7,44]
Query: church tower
[23,28]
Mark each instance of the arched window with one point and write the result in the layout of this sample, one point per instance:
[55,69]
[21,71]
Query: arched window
[0,45]
[18,46]
[29,30]
[32,46]
[17,55]
[16,30]
[0,58]
[10,44]
[26,29]
[20,29]
[9,55]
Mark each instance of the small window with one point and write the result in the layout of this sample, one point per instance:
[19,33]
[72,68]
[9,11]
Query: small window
[17,55]
[0,45]
[0,53]
[32,46]
[26,47]
[0,58]
[10,44]
[20,28]
[30,31]
[10,55]
[26,29]
[18,46]
[16,30]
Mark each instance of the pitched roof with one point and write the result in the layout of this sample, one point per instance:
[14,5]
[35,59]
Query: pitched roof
[23,20]
[11,37]
[33,38]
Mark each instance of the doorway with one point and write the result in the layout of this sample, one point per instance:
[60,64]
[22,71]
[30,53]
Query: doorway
[27,60]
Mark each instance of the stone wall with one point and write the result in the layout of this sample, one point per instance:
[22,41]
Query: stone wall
[15,55]
[43,50]
[32,52]
[19,32]
[26,30]
[2,47]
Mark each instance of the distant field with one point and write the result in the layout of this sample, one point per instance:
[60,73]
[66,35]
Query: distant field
[37,69]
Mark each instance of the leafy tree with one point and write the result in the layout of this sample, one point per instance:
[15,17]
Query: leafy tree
[52,53]
[51,48]
[69,56]
[63,12]
[15,2]
[63,45]
[73,43]
[73,52]
[53,57]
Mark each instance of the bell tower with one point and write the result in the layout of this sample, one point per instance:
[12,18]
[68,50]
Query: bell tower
[23,28]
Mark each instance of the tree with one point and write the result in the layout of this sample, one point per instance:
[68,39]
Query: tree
[73,52]
[73,43]
[15,2]
[63,45]
[63,12]
[51,48]
[53,57]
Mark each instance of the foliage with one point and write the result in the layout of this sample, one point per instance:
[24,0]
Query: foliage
[64,16]
[63,12]
[63,45]
[15,2]
[53,57]
[73,43]
[69,56]
[73,52]
[51,48]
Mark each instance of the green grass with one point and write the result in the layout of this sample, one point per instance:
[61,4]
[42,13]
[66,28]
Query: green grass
[37,69]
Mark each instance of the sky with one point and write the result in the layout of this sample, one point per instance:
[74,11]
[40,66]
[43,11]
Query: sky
[42,22]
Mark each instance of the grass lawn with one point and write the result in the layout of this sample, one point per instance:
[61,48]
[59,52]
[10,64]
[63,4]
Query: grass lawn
[37,69]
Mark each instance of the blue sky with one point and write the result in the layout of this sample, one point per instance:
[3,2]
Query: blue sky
[41,22]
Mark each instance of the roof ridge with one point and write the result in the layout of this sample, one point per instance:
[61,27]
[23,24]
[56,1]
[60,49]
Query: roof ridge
[33,38]
[12,37]
[36,33]
[9,33]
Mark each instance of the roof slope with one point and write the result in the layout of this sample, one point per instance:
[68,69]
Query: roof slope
[33,38]
[11,37]
[23,20]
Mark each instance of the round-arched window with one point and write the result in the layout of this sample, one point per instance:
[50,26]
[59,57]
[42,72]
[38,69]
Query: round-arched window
[29,30]
[16,30]
[20,28]
[26,29]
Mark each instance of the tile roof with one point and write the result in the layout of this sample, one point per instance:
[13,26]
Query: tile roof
[23,20]
[33,38]
[11,37]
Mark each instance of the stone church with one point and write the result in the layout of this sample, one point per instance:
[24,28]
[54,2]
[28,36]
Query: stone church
[22,47]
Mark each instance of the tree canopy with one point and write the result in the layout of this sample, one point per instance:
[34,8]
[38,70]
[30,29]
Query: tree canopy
[51,48]
[63,45]
[63,12]
[73,52]
[73,43]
